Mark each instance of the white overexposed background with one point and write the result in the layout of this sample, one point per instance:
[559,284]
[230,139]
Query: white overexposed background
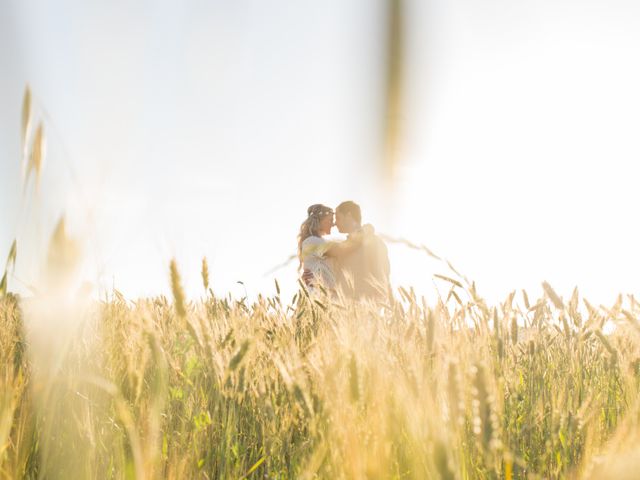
[191,129]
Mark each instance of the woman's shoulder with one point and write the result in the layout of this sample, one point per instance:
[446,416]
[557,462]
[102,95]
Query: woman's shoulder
[313,240]
[314,247]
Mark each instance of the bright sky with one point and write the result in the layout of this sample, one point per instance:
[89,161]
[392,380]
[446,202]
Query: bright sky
[194,129]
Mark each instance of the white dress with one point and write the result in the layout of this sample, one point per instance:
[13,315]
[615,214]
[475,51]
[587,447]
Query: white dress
[314,259]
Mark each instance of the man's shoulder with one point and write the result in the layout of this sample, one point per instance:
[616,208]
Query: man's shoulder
[377,242]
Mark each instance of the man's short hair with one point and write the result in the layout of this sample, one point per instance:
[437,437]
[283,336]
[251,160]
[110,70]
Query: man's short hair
[350,208]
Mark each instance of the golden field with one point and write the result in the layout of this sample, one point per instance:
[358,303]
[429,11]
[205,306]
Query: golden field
[318,388]
[312,386]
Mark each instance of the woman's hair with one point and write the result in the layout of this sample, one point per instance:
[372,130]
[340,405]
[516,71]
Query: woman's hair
[315,213]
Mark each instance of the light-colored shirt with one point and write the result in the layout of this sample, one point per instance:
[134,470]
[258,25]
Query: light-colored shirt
[314,259]
[364,272]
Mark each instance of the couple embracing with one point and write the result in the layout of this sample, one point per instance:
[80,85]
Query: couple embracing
[356,268]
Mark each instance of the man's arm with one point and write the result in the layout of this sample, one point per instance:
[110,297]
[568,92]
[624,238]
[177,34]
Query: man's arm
[385,269]
[382,265]
[386,265]
[339,249]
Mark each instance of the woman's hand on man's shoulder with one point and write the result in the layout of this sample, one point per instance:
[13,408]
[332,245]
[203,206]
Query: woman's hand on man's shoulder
[367,229]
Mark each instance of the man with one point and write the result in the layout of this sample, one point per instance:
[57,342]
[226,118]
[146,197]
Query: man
[364,272]
[361,273]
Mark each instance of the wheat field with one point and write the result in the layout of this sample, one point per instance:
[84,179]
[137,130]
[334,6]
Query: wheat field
[319,388]
[312,386]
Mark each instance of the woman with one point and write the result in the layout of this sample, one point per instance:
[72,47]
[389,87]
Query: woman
[316,254]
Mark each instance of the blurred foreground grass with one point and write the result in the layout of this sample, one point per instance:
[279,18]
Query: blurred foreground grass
[314,389]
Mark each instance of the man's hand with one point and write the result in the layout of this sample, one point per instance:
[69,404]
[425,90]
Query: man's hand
[308,277]
[367,229]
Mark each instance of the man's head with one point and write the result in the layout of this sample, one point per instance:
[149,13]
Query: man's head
[348,217]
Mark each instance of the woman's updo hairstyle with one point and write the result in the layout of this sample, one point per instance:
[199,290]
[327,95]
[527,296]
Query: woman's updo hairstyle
[319,210]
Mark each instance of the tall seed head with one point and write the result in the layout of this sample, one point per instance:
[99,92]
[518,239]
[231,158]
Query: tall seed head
[431,328]
[26,116]
[63,258]
[606,344]
[526,299]
[205,274]
[553,296]
[36,159]
[13,253]
[3,285]
[176,288]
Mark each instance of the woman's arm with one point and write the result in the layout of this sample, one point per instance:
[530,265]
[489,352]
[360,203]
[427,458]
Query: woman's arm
[338,249]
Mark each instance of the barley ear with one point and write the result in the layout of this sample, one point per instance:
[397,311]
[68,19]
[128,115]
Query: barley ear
[26,118]
[176,288]
[553,296]
[205,274]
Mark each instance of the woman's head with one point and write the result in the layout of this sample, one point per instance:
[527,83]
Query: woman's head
[319,219]
[318,222]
